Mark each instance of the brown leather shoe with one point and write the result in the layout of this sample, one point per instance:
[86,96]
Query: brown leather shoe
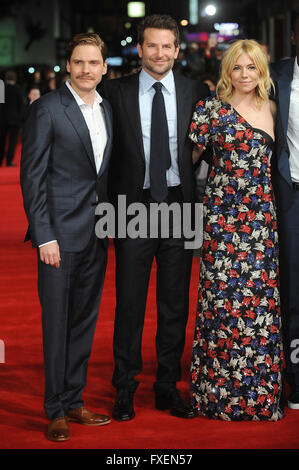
[83,416]
[58,430]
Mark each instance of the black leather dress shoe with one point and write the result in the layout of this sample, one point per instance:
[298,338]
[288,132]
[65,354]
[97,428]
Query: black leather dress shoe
[293,400]
[173,401]
[123,409]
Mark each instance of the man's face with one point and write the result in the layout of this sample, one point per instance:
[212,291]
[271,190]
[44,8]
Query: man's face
[33,94]
[158,52]
[86,68]
[295,38]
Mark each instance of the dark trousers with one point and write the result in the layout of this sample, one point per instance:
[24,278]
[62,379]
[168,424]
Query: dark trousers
[12,132]
[134,258]
[289,280]
[70,298]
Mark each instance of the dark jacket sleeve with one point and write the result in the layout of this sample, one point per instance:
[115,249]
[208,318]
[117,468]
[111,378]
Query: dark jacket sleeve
[36,151]
[208,153]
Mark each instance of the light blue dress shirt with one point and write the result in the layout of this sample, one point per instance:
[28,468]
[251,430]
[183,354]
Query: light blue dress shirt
[146,94]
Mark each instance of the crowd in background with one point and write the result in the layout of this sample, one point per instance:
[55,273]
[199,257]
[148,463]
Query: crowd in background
[196,61]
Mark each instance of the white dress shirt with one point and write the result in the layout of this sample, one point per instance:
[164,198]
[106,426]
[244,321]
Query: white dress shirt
[146,94]
[293,125]
[95,122]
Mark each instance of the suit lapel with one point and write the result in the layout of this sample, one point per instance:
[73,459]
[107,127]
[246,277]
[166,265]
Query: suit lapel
[76,117]
[130,96]
[283,83]
[107,150]
[284,92]
[184,101]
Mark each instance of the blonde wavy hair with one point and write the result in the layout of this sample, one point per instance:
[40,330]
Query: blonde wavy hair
[224,88]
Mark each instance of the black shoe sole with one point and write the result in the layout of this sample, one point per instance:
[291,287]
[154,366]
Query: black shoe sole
[162,404]
[182,415]
[293,406]
[123,418]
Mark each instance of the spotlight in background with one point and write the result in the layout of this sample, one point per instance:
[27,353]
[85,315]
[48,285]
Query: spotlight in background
[136,9]
[210,10]
[184,22]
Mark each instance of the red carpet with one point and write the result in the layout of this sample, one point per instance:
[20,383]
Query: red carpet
[22,420]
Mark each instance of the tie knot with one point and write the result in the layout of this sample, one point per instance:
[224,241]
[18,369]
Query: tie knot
[157,86]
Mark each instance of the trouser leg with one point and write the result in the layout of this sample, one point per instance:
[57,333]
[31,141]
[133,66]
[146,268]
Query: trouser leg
[13,140]
[289,281]
[173,279]
[134,259]
[70,298]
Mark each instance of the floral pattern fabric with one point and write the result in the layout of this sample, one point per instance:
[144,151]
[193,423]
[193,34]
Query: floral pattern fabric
[236,370]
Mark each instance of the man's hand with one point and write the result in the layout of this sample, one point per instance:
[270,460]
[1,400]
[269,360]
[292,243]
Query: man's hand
[50,254]
[197,153]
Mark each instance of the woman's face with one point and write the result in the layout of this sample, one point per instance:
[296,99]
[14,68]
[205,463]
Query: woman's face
[245,75]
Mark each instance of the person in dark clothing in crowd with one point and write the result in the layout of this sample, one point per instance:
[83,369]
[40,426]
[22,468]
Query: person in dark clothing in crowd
[10,118]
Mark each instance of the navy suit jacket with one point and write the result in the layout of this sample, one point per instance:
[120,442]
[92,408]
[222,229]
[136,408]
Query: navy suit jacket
[282,74]
[127,169]
[59,181]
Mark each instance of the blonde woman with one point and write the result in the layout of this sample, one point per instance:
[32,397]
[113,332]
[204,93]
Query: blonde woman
[237,350]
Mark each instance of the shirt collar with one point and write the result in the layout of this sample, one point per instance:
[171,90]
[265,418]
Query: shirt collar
[98,99]
[146,81]
[296,70]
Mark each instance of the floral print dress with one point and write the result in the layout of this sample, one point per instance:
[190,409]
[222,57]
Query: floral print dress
[236,370]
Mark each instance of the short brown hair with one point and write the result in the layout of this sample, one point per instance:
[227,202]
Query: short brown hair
[159,22]
[86,38]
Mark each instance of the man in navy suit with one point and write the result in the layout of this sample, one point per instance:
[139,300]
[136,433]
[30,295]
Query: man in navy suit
[66,149]
[286,180]
[138,155]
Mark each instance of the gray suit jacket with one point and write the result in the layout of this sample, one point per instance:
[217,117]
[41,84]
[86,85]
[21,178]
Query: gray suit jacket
[59,181]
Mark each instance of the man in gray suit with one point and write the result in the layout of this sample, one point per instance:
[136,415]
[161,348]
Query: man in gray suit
[66,150]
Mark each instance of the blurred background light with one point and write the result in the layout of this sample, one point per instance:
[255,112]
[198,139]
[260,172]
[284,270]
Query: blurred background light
[193,11]
[136,9]
[210,10]
[115,61]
